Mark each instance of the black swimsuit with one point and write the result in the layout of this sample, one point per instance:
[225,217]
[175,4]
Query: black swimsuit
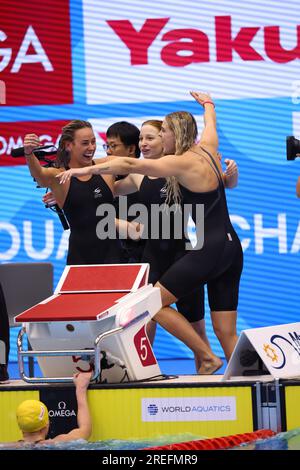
[131,250]
[80,208]
[162,253]
[219,262]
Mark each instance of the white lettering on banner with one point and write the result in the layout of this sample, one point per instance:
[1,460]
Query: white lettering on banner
[31,39]
[243,224]
[63,245]
[258,232]
[279,232]
[189,409]
[296,243]
[6,145]
[61,413]
[261,233]
[13,250]
[28,243]
[46,138]
[15,236]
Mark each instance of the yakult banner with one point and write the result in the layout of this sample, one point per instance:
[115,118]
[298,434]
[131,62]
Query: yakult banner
[155,51]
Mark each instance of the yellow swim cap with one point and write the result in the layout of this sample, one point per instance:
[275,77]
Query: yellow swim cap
[32,416]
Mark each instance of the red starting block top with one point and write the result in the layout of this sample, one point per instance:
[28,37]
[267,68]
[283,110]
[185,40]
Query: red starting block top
[87,292]
[103,278]
[74,307]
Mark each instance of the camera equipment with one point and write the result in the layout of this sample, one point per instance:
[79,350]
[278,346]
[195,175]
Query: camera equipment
[60,214]
[55,208]
[41,153]
[292,147]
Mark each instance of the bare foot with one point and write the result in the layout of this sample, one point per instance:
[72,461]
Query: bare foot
[209,367]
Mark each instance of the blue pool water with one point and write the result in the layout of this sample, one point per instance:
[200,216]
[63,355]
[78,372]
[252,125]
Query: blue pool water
[289,440]
[114,444]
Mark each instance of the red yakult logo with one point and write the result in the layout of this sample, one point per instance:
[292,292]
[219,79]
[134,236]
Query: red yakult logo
[35,52]
[199,44]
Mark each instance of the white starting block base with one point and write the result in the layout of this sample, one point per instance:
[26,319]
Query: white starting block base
[95,318]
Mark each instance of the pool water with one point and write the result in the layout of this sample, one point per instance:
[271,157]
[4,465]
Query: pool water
[284,441]
[289,440]
[113,444]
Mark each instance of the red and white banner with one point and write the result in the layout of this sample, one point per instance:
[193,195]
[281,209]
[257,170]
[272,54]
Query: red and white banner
[12,136]
[35,52]
[157,51]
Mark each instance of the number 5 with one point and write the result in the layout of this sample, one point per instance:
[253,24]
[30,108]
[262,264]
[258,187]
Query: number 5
[143,348]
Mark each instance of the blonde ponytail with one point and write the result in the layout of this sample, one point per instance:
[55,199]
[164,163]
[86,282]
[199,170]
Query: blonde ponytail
[184,127]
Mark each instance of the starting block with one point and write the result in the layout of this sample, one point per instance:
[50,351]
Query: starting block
[95,320]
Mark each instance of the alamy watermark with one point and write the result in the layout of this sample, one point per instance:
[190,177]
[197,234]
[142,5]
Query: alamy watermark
[162,222]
